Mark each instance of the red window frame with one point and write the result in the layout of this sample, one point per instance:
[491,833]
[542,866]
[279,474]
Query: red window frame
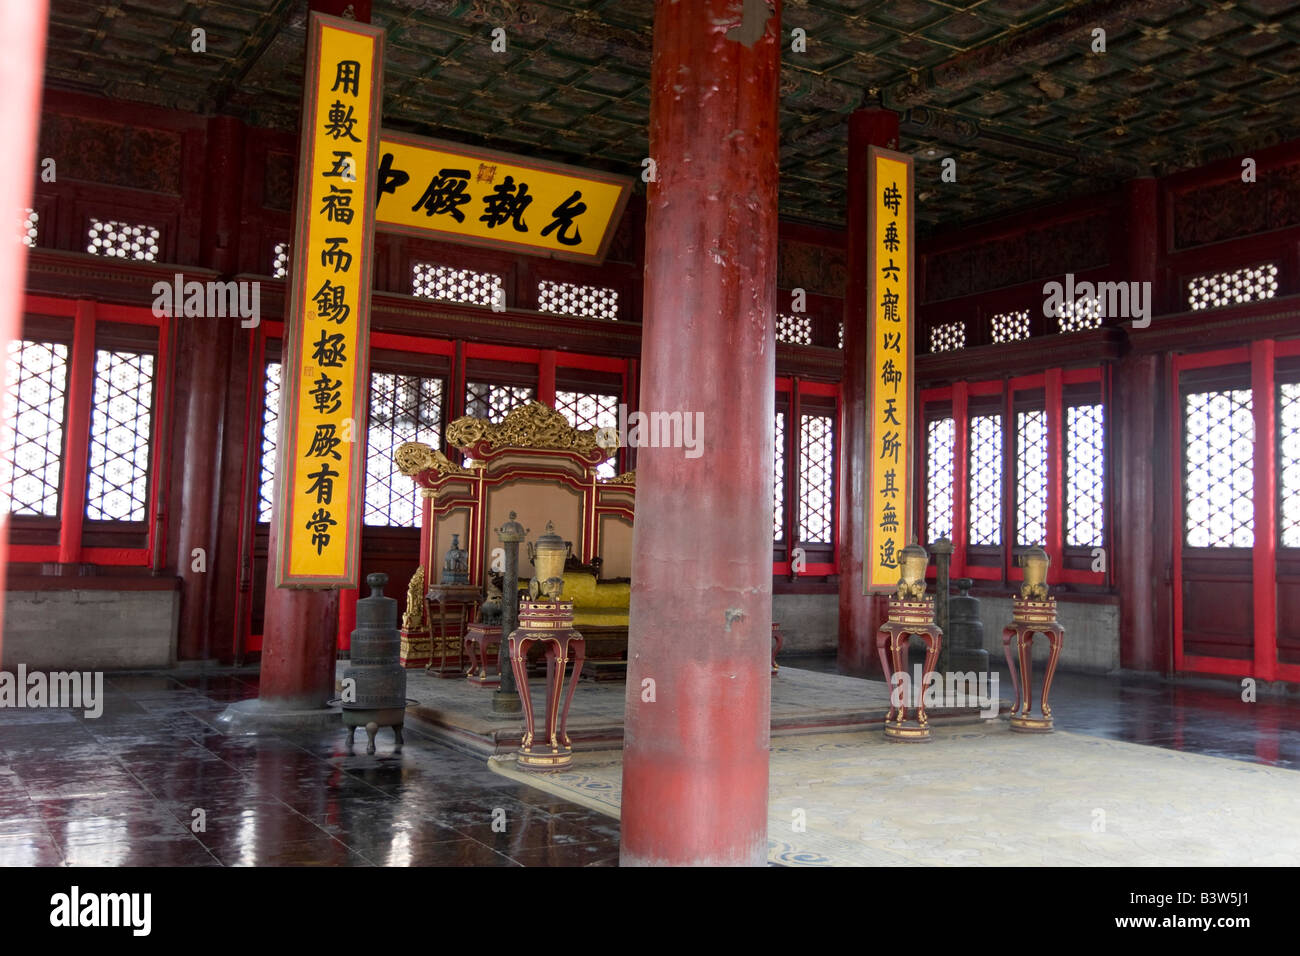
[789,395]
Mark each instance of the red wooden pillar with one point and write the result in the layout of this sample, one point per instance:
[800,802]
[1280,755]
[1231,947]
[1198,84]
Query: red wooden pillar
[860,614]
[81,396]
[300,635]
[699,657]
[546,378]
[1264,555]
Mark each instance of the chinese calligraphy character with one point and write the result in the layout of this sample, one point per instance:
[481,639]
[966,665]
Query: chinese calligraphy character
[325,393]
[343,167]
[892,198]
[505,203]
[891,412]
[889,306]
[348,75]
[322,485]
[324,443]
[890,490]
[389,179]
[341,259]
[330,305]
[338,205]
[890,445]
[890,242]
[889,375]
[564,215]
[329,350]
[445,193]
[339,122]
[888,518]
[319,524]
[893,342]
[887,554]
[890,271]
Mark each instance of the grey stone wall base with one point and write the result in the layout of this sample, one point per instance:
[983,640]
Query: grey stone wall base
[257,716]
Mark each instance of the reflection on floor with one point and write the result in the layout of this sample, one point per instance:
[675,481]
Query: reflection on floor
[123,789]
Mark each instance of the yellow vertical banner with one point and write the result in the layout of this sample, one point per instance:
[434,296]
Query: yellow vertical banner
[321,466]
[890,302]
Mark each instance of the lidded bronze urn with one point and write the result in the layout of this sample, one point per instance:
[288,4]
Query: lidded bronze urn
[1035,561]
[548,555]
[912,562]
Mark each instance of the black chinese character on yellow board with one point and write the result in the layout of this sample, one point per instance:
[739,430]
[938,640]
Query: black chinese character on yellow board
[330,350]
[506,203]
[889,306]
[348,76]
[564,214]
[887,559]
[890,490]
[892,198]
[322,485]
[893,342]
[889,375]
[326,395]
[339,122]
[388,179]
[890,415]
[888,518]
[344,167]
[336,255]
[445,194]
[324,443]
[890,445]
[891,241]
[890,271]
[319,524]
[336,206]
[330,305]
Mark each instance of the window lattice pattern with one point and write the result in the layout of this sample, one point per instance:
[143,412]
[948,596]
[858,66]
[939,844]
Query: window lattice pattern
[591,410]
[940,447]
[402,408]
[1011,326]
[841,334]
[564,298]
[1218,469]
[27,228]
[493,402]
[270,435]
[1085,476]
[36,387]
[117,488]
[1081,314]
[1031,478]
[947,337]
[123,240]
[986,480]
[280,261]
[1288,423]
[1229,288]
[794,329]
[778,478]
[816,479]
[456,285]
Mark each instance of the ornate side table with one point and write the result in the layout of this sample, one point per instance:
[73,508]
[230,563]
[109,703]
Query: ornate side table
[1028,618]
[907,618]
[482,665]
[463,598]
[550,623]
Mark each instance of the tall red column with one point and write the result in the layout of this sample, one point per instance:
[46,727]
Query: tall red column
[860,614]
[699,656]
[299,642]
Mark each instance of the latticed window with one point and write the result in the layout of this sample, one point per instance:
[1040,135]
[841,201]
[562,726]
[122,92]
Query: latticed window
[1080,314]
[564,298]
[794,329]
[985,502]
[402,408]
[1011,326]
[270,436]
[778,478]
[1230,288]
[948,336]
[27,230]
[117,487]
[494,402]
[1085,476]
[36,388]
[280,260]
[1218,466]
[816,479]
[591,410]
[464,286]
[940,450]
[1288,425]
[1031,478]
[123,240]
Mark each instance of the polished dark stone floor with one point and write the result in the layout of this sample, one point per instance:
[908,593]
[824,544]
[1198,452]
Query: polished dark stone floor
[127,788]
